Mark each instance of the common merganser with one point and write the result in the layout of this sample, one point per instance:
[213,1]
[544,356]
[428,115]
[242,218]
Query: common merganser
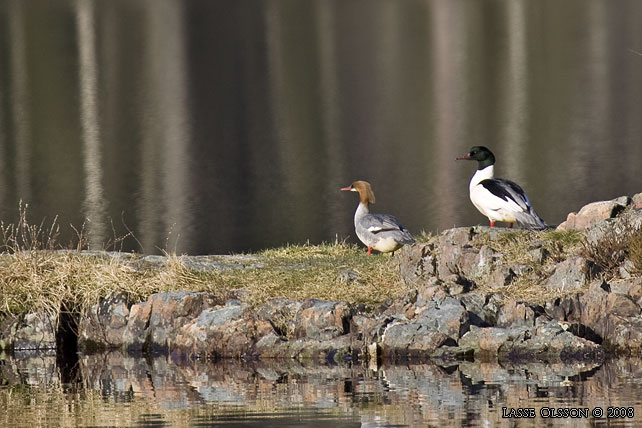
[497,198]
[382,232]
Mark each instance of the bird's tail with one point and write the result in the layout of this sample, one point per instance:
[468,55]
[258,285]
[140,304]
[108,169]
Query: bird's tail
[406,237]
[530,219]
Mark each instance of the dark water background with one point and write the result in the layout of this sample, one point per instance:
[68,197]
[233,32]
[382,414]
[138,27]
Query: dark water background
[216,126]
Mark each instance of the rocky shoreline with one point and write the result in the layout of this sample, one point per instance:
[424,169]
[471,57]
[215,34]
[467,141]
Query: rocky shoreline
[455,308]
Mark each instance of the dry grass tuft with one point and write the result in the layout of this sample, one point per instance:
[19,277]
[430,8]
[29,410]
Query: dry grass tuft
[618,243]
[49,280]
[524,250]
[635,250]
[515,245]
[609,251]
[36,274]
[73,281]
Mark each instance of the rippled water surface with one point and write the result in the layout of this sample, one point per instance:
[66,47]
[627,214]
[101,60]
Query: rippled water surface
[115,390]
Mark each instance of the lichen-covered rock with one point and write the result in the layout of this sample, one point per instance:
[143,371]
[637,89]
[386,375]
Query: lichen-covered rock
[32,331]
[418,263]
[433,290]
[545,340]
[459,236]
[627,269]
[457,260]
[281,313]
[335,350]
[447,316]
[539,254]
[322,320]
[595,212]
[448,310]
[441,323]
[487,341]
[407,304]
[312,330]
[625,334]
[228,331]
[501,277]
[408,340]
[136,333]
[170,311]
[572,274]
[154,326]
[467,263]
[367,333]
[483,308]
[103,326]
[550,339]
[613,317]
[631,287]
[516,314]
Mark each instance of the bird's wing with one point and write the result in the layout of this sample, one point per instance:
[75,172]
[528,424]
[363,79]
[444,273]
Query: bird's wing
[511,193]
[376,223]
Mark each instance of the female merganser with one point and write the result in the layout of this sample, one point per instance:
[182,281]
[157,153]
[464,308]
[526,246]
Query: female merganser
[382,232]
[496,198]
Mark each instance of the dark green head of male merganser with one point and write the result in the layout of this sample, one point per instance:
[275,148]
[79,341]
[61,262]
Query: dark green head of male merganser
[481,154]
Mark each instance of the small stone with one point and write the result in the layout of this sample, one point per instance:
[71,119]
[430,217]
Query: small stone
[501,277]
[458,236]
[594,212]
[571,274]
[417,263]
[626,269]
[514,314]
[539,255]
[347,276]
[322,320]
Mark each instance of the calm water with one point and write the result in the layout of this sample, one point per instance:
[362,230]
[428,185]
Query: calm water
[114,390]
[216,126]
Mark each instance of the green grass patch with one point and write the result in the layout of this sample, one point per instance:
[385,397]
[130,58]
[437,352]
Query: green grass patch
[328,271]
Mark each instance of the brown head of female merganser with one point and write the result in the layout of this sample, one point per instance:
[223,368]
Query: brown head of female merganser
[497,198]
[381,232]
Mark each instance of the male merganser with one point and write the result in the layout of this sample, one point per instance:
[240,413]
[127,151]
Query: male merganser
[496,198]
[382,232]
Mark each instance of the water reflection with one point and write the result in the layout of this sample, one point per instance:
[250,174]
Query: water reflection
[113,388]
[94,203]
[221,126]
